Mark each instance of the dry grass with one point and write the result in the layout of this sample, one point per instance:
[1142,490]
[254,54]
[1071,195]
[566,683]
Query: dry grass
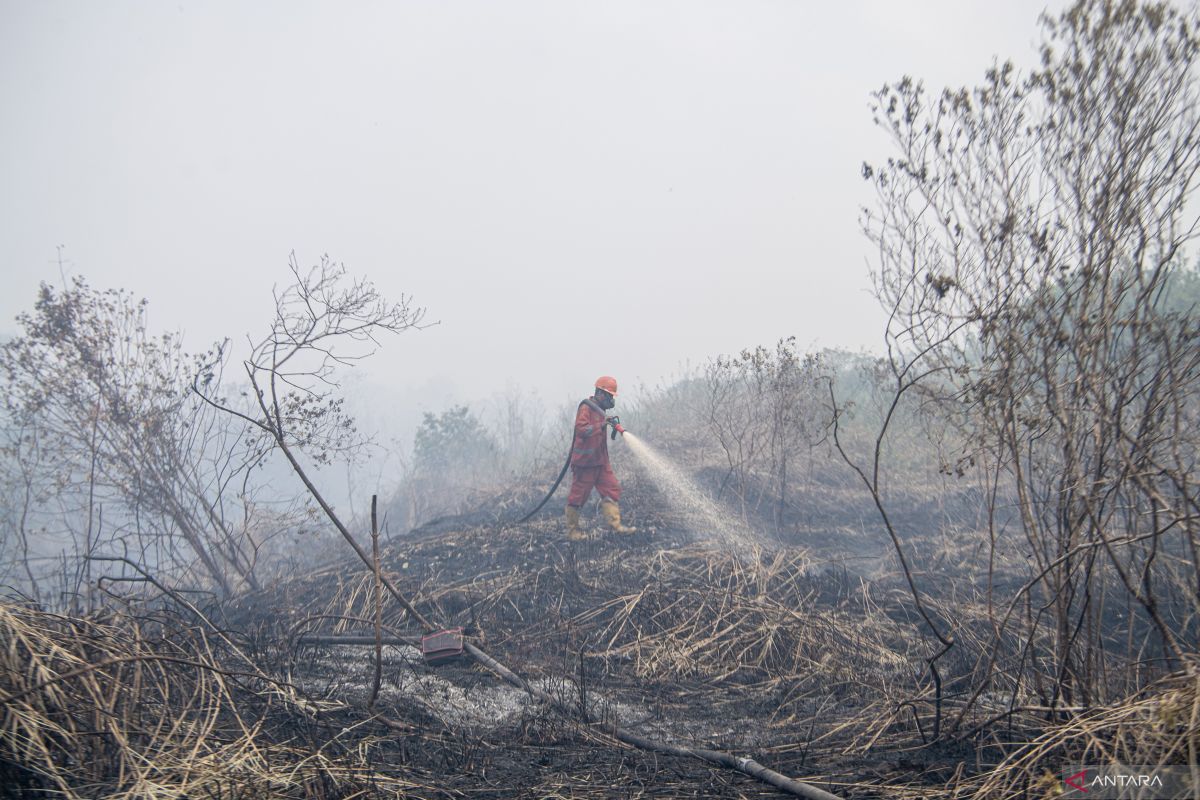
[126,708]
[817,674]
[1159,726]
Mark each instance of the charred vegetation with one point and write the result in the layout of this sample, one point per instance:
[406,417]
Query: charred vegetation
[950,571]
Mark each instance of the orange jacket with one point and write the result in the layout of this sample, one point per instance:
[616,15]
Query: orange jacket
[590,448]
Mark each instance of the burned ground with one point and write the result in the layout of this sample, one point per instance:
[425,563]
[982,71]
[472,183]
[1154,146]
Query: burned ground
[755,653]
[758,653]
[801,659]
[774,652]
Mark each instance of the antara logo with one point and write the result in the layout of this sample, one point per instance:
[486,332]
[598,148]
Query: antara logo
[1116,780]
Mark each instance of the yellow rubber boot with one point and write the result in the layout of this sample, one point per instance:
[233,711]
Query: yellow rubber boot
[574,533]
[612,515]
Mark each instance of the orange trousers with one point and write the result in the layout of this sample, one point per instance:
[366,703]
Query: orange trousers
[584,479]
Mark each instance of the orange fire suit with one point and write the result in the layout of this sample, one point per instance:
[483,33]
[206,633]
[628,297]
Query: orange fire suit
[589,457]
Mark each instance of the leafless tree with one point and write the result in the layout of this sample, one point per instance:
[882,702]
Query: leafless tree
[110,450]
[1030,235]
[764,407]
[323,320]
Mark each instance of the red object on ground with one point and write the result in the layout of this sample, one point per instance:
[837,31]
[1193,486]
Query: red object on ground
[441,646]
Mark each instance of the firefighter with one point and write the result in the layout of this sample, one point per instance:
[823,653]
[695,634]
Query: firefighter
[589,460]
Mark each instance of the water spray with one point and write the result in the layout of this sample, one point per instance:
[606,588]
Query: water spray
[704,518]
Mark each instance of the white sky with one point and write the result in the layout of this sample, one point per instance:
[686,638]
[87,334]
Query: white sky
[570,188]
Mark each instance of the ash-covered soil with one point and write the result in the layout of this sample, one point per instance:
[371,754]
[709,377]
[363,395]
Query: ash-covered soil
[765,652]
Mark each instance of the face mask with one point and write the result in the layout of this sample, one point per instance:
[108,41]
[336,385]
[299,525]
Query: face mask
[605,401]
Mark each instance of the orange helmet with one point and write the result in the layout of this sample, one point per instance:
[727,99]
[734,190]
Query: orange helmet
[608,383]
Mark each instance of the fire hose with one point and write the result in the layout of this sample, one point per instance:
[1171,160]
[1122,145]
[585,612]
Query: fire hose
[614,421]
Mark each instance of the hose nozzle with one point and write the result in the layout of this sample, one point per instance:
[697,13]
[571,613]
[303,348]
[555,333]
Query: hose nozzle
[615,422]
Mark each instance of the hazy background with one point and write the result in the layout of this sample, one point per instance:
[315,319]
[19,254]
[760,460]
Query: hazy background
[570,188]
